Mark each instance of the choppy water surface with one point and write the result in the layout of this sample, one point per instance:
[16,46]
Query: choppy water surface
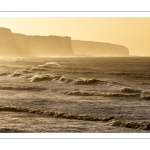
[75,94]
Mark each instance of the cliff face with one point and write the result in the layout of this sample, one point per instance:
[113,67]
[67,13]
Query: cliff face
[98,49]
[7,44]
[12,44]
[44,45]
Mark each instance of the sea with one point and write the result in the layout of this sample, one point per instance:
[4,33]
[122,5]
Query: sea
[75,95]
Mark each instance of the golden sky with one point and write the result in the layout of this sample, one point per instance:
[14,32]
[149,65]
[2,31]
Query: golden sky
[134,33]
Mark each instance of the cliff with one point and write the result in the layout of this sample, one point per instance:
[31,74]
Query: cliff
[12,44]
[43,45]
[98,48]
[7,43]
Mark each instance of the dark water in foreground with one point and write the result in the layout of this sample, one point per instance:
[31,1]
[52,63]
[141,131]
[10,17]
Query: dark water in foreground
[75,94]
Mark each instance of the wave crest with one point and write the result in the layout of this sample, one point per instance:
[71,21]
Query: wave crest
[38,69]
[113,121]
[18,73]
[93,93]
[8,87]
[38,78]
[146,97]
[64,79]
[130,90]
[49,64]
[145,92]
[86,81]
[130,124]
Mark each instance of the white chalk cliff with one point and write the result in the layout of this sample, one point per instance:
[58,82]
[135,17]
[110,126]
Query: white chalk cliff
[14,44]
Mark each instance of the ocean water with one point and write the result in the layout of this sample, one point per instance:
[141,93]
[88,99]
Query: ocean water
[75,94]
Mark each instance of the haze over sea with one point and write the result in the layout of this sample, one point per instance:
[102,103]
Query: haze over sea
[75,94]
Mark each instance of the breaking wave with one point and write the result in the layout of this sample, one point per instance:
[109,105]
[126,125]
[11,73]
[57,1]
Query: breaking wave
[145,92]
[8,87]
[92,93]
[49,65]
[86,81]
[128,93]
[25,76]
[38,69]
[94,82]
[113,121]
[146,97]
[19,73]
[79,72]
[55,114]
[52,64]
[66,80]
[130,90]
[45,67]
[130,124]
[48,77]
[38,78]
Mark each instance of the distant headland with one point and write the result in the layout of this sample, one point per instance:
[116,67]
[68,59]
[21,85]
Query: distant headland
[20,45]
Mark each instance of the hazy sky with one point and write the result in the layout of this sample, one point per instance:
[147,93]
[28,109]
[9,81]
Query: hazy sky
[134,33]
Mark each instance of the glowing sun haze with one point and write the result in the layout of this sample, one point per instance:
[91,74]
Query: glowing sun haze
[134,33]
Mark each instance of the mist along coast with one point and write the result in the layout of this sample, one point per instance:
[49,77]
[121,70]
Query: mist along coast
[41,93]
